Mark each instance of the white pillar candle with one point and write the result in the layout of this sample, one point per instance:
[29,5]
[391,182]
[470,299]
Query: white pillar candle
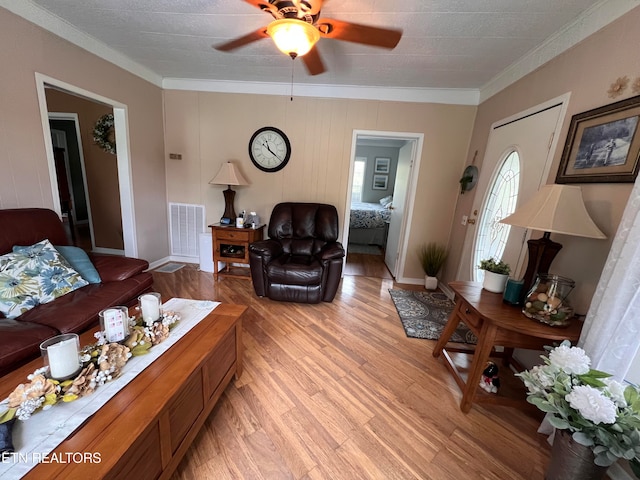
[63,358]
[150,308]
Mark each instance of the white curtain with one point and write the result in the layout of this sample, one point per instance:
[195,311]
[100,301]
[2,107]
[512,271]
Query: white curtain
[611,331]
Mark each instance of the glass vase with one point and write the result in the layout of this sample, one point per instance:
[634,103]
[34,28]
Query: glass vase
[547,301]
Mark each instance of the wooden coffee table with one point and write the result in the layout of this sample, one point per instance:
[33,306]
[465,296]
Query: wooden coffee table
[145,429]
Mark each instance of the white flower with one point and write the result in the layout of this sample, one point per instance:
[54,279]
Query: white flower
[570,359]
[616,391]
[592,404]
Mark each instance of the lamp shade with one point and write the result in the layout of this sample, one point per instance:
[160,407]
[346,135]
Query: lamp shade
[557,209]
[228,175]
[292,36]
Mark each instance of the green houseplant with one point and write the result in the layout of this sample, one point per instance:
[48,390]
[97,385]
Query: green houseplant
[432,256]
[495,266]
[588,408]
[496,273]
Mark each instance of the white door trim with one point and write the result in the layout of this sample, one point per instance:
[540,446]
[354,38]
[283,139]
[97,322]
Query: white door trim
[121,126]
[405,232]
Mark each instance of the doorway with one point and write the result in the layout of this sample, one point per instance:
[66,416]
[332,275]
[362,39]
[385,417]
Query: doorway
[123,154]
[389,185]
[525,143]
[67,140]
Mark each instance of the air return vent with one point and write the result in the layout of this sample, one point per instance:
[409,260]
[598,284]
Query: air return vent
[186,223]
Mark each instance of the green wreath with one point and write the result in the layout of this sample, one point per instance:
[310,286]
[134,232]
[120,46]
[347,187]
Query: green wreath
[103,134]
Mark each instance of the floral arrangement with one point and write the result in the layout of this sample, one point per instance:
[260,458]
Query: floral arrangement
[103,132]
[101,363]
[600,412]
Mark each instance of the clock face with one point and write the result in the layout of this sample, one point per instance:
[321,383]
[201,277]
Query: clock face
[269,149]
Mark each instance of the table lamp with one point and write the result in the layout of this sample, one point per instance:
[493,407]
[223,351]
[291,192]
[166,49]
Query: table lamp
[553,209]
[228,175]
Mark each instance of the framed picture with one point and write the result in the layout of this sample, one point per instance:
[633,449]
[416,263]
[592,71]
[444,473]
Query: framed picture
[380,182]
[603,145]
[382,165]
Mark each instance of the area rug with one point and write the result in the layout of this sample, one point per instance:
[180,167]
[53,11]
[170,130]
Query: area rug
[364,249]
[424,314]
[169,268]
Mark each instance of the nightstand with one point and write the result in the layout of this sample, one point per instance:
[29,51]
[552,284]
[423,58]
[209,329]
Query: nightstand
[231,245]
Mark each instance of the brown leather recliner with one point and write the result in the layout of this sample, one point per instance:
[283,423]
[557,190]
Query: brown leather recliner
[302,260]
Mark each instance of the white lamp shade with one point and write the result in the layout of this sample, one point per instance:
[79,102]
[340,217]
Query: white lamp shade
[557,209]
[292,36]
[228,175]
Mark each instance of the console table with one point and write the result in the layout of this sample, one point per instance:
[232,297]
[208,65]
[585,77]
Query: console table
[495,324]
[147,427]
[231,245]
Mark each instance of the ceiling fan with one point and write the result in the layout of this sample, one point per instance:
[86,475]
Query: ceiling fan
[298,26]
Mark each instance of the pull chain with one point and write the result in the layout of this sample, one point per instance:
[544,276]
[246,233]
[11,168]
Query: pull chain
[292,59]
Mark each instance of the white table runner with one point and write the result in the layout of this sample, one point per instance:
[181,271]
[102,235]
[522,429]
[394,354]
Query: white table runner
[37,437]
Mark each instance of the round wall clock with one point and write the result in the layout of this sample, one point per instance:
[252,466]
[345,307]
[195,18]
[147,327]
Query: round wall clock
[269,149]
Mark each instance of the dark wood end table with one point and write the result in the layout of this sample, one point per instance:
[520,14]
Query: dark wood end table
[495,323]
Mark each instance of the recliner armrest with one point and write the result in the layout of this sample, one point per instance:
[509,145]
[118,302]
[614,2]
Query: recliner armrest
[266,248]
[331,251]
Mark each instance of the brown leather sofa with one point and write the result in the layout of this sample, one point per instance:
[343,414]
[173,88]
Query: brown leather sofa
[302,259]
[123,279]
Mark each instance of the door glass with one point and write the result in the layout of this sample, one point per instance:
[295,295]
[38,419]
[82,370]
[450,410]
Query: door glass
[492,236]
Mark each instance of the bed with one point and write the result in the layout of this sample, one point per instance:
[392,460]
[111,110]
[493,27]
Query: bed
[368,223]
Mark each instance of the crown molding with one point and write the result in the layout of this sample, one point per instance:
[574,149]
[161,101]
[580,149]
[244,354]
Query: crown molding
[593,19]
[42,18]
[452,96]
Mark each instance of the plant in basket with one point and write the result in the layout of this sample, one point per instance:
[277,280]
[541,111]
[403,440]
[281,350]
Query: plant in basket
[599,413]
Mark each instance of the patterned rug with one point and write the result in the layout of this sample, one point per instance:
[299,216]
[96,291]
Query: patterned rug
[424,314]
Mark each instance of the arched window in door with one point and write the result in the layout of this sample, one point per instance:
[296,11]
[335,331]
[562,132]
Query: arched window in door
[501,201]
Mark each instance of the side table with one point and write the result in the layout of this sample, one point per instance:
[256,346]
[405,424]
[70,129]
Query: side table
[495,324]
[231,245]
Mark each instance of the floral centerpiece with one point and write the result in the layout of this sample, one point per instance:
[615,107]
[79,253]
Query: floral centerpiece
[101,363]
[599,412]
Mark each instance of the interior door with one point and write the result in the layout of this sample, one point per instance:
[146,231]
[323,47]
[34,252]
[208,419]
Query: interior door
[531,137]
[400,189]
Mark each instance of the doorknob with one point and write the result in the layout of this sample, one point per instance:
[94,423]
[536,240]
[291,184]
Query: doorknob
[471,221]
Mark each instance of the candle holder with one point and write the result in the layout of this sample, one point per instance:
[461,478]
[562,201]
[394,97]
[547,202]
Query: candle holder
[150,305]
[61,355]
[114,322]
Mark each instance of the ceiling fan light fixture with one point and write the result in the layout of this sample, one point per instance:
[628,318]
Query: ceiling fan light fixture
[293,37]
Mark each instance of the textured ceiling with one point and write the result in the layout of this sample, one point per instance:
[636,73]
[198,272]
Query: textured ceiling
[445,44]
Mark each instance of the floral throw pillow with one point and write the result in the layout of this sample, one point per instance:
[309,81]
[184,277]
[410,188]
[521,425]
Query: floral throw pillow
[36,275]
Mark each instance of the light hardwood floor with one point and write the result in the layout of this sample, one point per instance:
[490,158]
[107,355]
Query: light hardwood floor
[337,391]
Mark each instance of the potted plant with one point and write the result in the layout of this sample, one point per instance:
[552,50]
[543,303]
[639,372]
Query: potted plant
[432,256]
[496,273]
[597,418]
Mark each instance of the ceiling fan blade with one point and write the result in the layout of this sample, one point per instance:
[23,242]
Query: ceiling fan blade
[313,62]
[264,6]
[242,41]
[353,32]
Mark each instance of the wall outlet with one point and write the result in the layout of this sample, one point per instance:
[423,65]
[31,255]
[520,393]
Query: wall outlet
[175,156]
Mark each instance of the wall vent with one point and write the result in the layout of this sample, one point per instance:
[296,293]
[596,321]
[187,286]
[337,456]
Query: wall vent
[186,223]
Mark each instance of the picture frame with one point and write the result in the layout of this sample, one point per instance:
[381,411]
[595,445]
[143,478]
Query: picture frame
[380,182]
[382,165]
[603,145]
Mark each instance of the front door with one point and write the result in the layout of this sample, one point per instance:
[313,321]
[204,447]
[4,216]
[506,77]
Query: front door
[527,143]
